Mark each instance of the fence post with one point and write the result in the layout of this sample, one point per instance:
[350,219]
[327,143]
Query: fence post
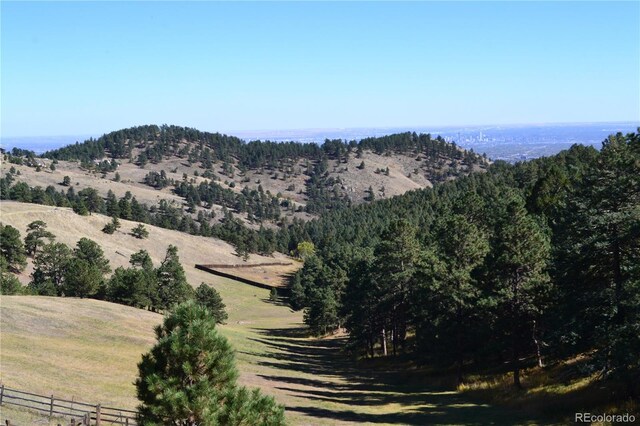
[51,408]
[98,415]
[1,393]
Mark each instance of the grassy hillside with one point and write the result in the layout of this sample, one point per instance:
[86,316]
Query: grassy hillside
[69,227]
[85,349]
[378,167]
[88,350]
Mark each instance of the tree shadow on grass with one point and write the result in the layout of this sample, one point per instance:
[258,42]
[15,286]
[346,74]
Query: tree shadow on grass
[340,389]
[280,301]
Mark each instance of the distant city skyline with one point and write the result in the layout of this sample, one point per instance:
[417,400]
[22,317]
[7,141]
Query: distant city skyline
[93,67]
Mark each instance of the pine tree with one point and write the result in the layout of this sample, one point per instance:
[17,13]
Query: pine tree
[450,293]
[129,287]
[9,284]
[322,313]
[397,263]
[520,254]
[140,232]
[599,234]
[81,278]
[189,377]
[172,281]
[209,298]
[362,307]
[50,266]
[12,249]
[112,207]
[92,253]
[112,226]
[36,233]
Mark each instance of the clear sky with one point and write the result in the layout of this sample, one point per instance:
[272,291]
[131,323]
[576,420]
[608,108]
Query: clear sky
[90,67]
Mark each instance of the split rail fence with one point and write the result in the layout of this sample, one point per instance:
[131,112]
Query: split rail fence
[80,413]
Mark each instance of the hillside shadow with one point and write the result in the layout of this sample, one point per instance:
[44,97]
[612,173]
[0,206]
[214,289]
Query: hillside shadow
[341,389]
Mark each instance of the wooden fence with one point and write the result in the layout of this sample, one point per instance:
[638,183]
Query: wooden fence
[246,265]
[282,291]
[80,413]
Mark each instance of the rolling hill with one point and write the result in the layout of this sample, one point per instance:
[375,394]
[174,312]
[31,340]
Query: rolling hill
[69,227]
[303,178]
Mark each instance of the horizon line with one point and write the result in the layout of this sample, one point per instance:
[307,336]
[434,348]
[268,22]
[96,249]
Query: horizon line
[300,129]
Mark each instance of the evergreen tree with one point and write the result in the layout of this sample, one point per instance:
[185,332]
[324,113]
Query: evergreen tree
[90,252]
[189,377]
[11,248]
[91,200]
[209,298]
[322,313]
[297,300]
[599,238]
[130,287]
[521,288]
[9,284]
[450,296]
[362,303]
[140,232]
[81,278]
[36,233]
[112,226]
[142,259]
[50,265]
[111,205]
[397,258]
[172,281]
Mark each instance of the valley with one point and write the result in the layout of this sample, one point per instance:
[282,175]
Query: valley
[374,325]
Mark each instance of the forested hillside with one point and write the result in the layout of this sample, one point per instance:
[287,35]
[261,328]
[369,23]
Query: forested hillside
[520,265]
[535,261]
[216,185]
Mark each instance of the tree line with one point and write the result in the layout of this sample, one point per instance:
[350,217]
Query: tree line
[83,271]
[539,259]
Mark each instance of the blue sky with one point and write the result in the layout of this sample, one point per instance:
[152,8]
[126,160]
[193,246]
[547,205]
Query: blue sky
[90,67]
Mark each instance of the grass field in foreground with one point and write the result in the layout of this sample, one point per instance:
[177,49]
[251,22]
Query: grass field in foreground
[88,350]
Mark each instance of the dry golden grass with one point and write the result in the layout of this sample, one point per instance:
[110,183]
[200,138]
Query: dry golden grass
[69,227]
[88,350]
[85,349]
[406,173]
